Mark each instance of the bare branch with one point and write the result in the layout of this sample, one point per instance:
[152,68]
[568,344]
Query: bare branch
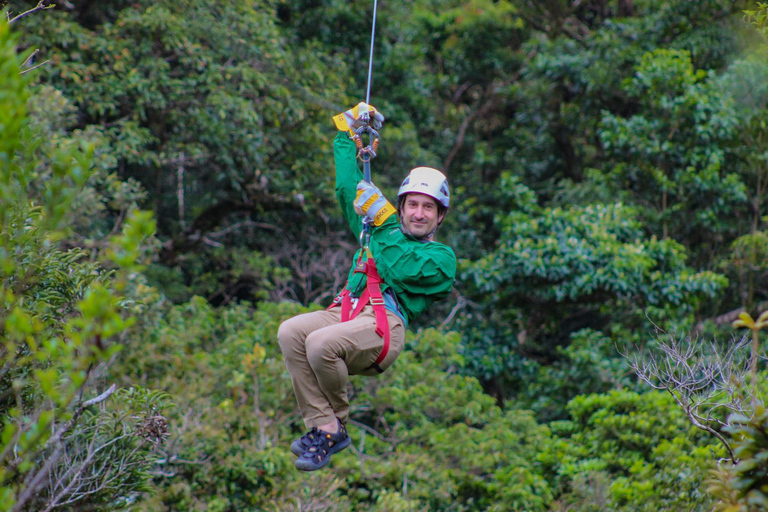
[72,477]
[461,303]
[35,66]
[98,399]
[39,7]
[173,459]
[241,225]
[28,60]
[704,378]
[476,113]
[31,486]
[372,431]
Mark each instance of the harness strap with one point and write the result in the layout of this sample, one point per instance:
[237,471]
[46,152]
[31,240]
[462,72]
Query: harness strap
[372,295]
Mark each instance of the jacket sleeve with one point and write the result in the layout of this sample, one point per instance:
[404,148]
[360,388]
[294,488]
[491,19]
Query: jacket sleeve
[347,177]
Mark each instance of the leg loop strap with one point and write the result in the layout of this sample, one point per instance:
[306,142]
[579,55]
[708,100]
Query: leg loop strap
[373,296]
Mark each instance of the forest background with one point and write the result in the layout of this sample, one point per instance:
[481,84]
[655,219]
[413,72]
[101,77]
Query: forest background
[167,200]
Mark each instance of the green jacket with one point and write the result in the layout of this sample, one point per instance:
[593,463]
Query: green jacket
[419,273]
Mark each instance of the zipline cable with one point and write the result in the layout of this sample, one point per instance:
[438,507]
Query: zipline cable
[367,159]
[370,57]
[367,154]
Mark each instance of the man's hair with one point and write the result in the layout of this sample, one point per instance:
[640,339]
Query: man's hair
[441,211]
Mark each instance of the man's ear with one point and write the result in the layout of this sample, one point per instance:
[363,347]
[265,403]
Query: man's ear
[441,216]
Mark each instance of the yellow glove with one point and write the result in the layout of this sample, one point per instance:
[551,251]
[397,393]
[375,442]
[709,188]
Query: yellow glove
[372,203]
[360,115]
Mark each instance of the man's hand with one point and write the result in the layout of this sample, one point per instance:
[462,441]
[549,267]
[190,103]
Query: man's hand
[372,203]
[360,115]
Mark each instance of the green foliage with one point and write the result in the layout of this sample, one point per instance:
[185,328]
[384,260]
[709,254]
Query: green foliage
[59,313]
[589,255]
[670,155]
[557,270]
[446,438]
[587,365]
[744,486]
[638,450]
[206,90]
[744,82]
[103,201]
[234,403]
[424,436]
[193,102]
[758,16]
[606,159]
[747,263]
[238,273]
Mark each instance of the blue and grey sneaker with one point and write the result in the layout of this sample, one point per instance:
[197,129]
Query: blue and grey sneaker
[300,445]
[323,446]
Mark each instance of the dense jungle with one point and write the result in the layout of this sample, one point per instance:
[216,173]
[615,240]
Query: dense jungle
[167,200]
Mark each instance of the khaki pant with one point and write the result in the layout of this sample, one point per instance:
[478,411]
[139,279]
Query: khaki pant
[320,353]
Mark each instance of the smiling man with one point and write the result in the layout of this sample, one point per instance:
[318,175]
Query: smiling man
[423,201]
[395,278]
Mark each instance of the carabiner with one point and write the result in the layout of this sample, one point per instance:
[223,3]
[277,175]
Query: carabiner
[365,233]
[373,142]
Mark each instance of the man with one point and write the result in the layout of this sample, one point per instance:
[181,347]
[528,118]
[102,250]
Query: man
[397,277]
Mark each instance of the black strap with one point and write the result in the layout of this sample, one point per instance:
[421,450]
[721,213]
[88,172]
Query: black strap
[376,367]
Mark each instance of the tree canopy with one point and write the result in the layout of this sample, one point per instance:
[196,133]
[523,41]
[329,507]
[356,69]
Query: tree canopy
[167,198]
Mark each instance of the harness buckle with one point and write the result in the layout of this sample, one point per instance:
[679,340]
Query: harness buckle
[376,302]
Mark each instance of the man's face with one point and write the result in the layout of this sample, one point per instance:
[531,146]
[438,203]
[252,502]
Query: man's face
[419,215]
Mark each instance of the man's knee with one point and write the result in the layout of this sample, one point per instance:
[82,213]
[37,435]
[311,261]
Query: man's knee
[319,348]
[288,335]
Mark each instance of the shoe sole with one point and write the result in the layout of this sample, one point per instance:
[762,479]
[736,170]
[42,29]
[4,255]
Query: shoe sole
[309,466]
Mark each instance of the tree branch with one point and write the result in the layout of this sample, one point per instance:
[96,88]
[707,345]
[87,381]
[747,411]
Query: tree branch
[55,440]
[202,228]
[372,431]
[35,67]
[39,7]
[701,377]
[478,112]
[730,316]
[461,303]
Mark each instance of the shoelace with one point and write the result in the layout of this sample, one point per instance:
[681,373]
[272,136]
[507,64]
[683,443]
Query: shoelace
[326,443]
[310,436]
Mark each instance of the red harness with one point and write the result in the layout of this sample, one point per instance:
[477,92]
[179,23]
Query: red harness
[372,295]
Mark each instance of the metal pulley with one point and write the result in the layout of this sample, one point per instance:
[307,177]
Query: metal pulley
[366,152]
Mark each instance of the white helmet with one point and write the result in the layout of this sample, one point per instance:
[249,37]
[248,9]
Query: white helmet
[428,181]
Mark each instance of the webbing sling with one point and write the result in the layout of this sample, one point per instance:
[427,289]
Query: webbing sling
[372,295]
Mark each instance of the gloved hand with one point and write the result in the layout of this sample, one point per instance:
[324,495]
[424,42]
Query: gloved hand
[358,116]
[372,203]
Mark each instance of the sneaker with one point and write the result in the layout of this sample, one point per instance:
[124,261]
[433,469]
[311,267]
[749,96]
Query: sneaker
[300,445]
[323,446]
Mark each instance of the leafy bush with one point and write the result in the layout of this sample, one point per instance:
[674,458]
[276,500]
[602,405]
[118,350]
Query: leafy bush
[424,436]
[743,487]
[638,450]
[60,314]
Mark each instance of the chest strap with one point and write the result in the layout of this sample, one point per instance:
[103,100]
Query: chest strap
[372,295]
